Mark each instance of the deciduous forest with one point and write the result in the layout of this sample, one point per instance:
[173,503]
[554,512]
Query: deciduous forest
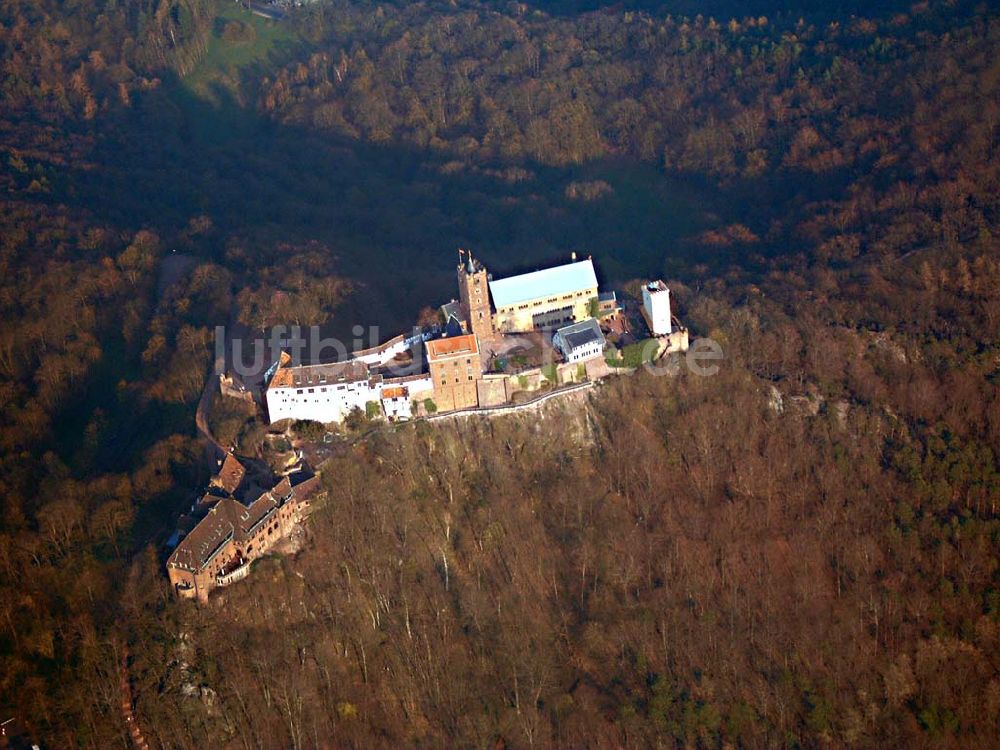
[800,551]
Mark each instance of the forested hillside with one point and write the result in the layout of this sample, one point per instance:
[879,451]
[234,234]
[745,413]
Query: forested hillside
[799,551]
[686,565]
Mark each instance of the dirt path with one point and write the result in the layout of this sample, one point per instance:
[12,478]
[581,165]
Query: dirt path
[138,741]
[214,450]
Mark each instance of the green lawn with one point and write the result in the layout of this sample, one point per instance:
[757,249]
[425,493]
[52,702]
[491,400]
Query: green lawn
[227,59]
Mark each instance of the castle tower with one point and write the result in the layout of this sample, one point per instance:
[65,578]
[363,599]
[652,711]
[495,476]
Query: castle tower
[474,296]
[656,303]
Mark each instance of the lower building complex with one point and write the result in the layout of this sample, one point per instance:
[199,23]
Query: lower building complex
[238,520]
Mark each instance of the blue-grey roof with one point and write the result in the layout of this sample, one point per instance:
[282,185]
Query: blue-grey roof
[548,282]
[580,334]
[451,309]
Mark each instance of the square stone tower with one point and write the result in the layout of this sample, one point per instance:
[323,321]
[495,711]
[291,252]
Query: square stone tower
[456,370]
[656,302]
[474,296]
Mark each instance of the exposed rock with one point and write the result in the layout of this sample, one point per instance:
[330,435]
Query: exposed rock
[885,343]
[775,402]
[807,406]
[841,408]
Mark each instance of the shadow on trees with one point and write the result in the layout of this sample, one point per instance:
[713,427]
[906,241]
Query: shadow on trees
[393,215]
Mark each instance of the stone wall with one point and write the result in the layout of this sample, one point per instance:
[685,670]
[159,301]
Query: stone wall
[493,390]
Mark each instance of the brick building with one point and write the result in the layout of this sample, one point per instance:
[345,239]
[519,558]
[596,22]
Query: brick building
[474,299]
[455,368]
[240,522]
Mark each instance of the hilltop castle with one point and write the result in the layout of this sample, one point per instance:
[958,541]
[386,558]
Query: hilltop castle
[447,365]
[243,514]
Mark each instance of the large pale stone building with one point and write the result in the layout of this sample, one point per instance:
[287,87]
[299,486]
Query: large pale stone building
[323,393]
[549,298]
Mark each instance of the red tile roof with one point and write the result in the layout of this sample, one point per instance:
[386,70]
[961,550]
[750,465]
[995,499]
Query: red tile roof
[230,520]
[230,474]
[452,347]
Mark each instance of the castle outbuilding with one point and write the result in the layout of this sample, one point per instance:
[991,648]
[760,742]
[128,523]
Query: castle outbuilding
[580,341]
[656,306]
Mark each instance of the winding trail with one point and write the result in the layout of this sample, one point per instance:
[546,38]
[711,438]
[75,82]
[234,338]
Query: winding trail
[214,450]
[138,741]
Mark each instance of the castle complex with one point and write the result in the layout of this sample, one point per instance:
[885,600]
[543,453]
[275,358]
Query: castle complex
[449,367]
[562,303]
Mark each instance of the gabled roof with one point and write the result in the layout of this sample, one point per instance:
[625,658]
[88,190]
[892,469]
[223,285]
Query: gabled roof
[581,334]
[549,282]
[257,510]
[210,535]
[451,309]
[350,371]
[230,520]
[230,474]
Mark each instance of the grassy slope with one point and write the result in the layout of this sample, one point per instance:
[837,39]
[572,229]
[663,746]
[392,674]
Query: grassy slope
[226,61]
